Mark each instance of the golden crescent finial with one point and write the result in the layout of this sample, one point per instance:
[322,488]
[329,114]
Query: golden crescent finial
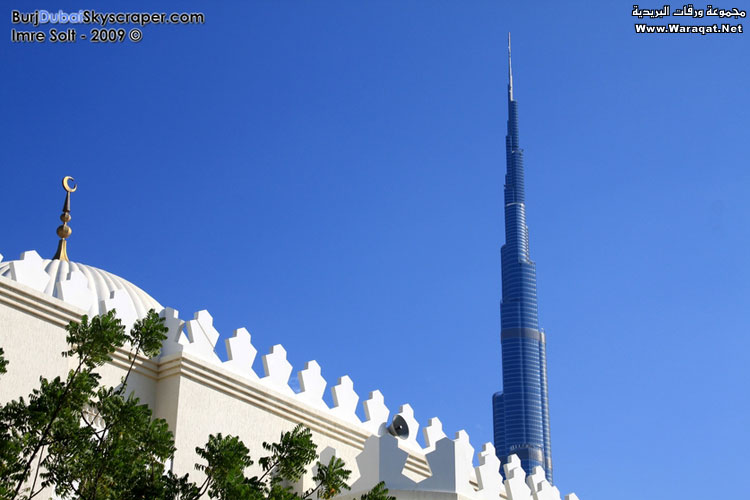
[64,231]
[67,187]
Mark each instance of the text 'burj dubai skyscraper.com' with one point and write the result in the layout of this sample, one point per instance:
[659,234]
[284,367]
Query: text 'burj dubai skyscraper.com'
[521,411]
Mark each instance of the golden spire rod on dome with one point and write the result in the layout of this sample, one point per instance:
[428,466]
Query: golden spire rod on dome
[64,231]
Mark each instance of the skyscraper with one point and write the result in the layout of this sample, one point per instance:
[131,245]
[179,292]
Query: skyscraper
[521,411]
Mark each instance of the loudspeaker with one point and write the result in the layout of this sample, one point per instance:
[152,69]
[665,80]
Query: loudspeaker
[399,427]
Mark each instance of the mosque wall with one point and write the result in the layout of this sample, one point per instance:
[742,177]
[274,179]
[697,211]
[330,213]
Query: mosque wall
[199,394]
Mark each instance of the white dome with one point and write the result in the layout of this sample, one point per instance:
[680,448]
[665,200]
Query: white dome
[89,288]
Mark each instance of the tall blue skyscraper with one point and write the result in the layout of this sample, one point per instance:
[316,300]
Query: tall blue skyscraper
[521,411]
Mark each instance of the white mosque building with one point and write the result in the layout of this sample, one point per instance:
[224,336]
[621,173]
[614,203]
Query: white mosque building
[198,394]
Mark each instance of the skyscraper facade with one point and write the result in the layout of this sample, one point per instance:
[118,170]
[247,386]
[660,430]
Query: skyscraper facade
[521,410]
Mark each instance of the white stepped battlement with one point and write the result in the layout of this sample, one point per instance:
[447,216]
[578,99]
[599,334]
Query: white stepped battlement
[198,337]
[451,465]
[383,458]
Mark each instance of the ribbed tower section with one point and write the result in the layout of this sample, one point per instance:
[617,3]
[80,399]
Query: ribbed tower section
[520,411]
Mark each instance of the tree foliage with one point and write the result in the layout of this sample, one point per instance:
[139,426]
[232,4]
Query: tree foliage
[91,442]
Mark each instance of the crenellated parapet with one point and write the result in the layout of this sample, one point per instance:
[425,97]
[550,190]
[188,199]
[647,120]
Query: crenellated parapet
[452,471]
[198,337]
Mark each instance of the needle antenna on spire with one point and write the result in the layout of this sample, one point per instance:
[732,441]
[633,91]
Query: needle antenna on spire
[510,73]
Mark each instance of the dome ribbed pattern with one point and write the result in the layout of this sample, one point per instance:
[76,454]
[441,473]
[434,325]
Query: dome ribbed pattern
[100,282]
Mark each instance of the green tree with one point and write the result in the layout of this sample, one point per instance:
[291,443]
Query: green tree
[92,442]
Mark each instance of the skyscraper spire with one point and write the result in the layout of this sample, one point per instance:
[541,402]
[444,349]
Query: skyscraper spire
[520,412]
[510,73]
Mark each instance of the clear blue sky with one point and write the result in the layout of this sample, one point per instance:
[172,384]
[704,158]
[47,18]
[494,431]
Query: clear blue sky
[329,175]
